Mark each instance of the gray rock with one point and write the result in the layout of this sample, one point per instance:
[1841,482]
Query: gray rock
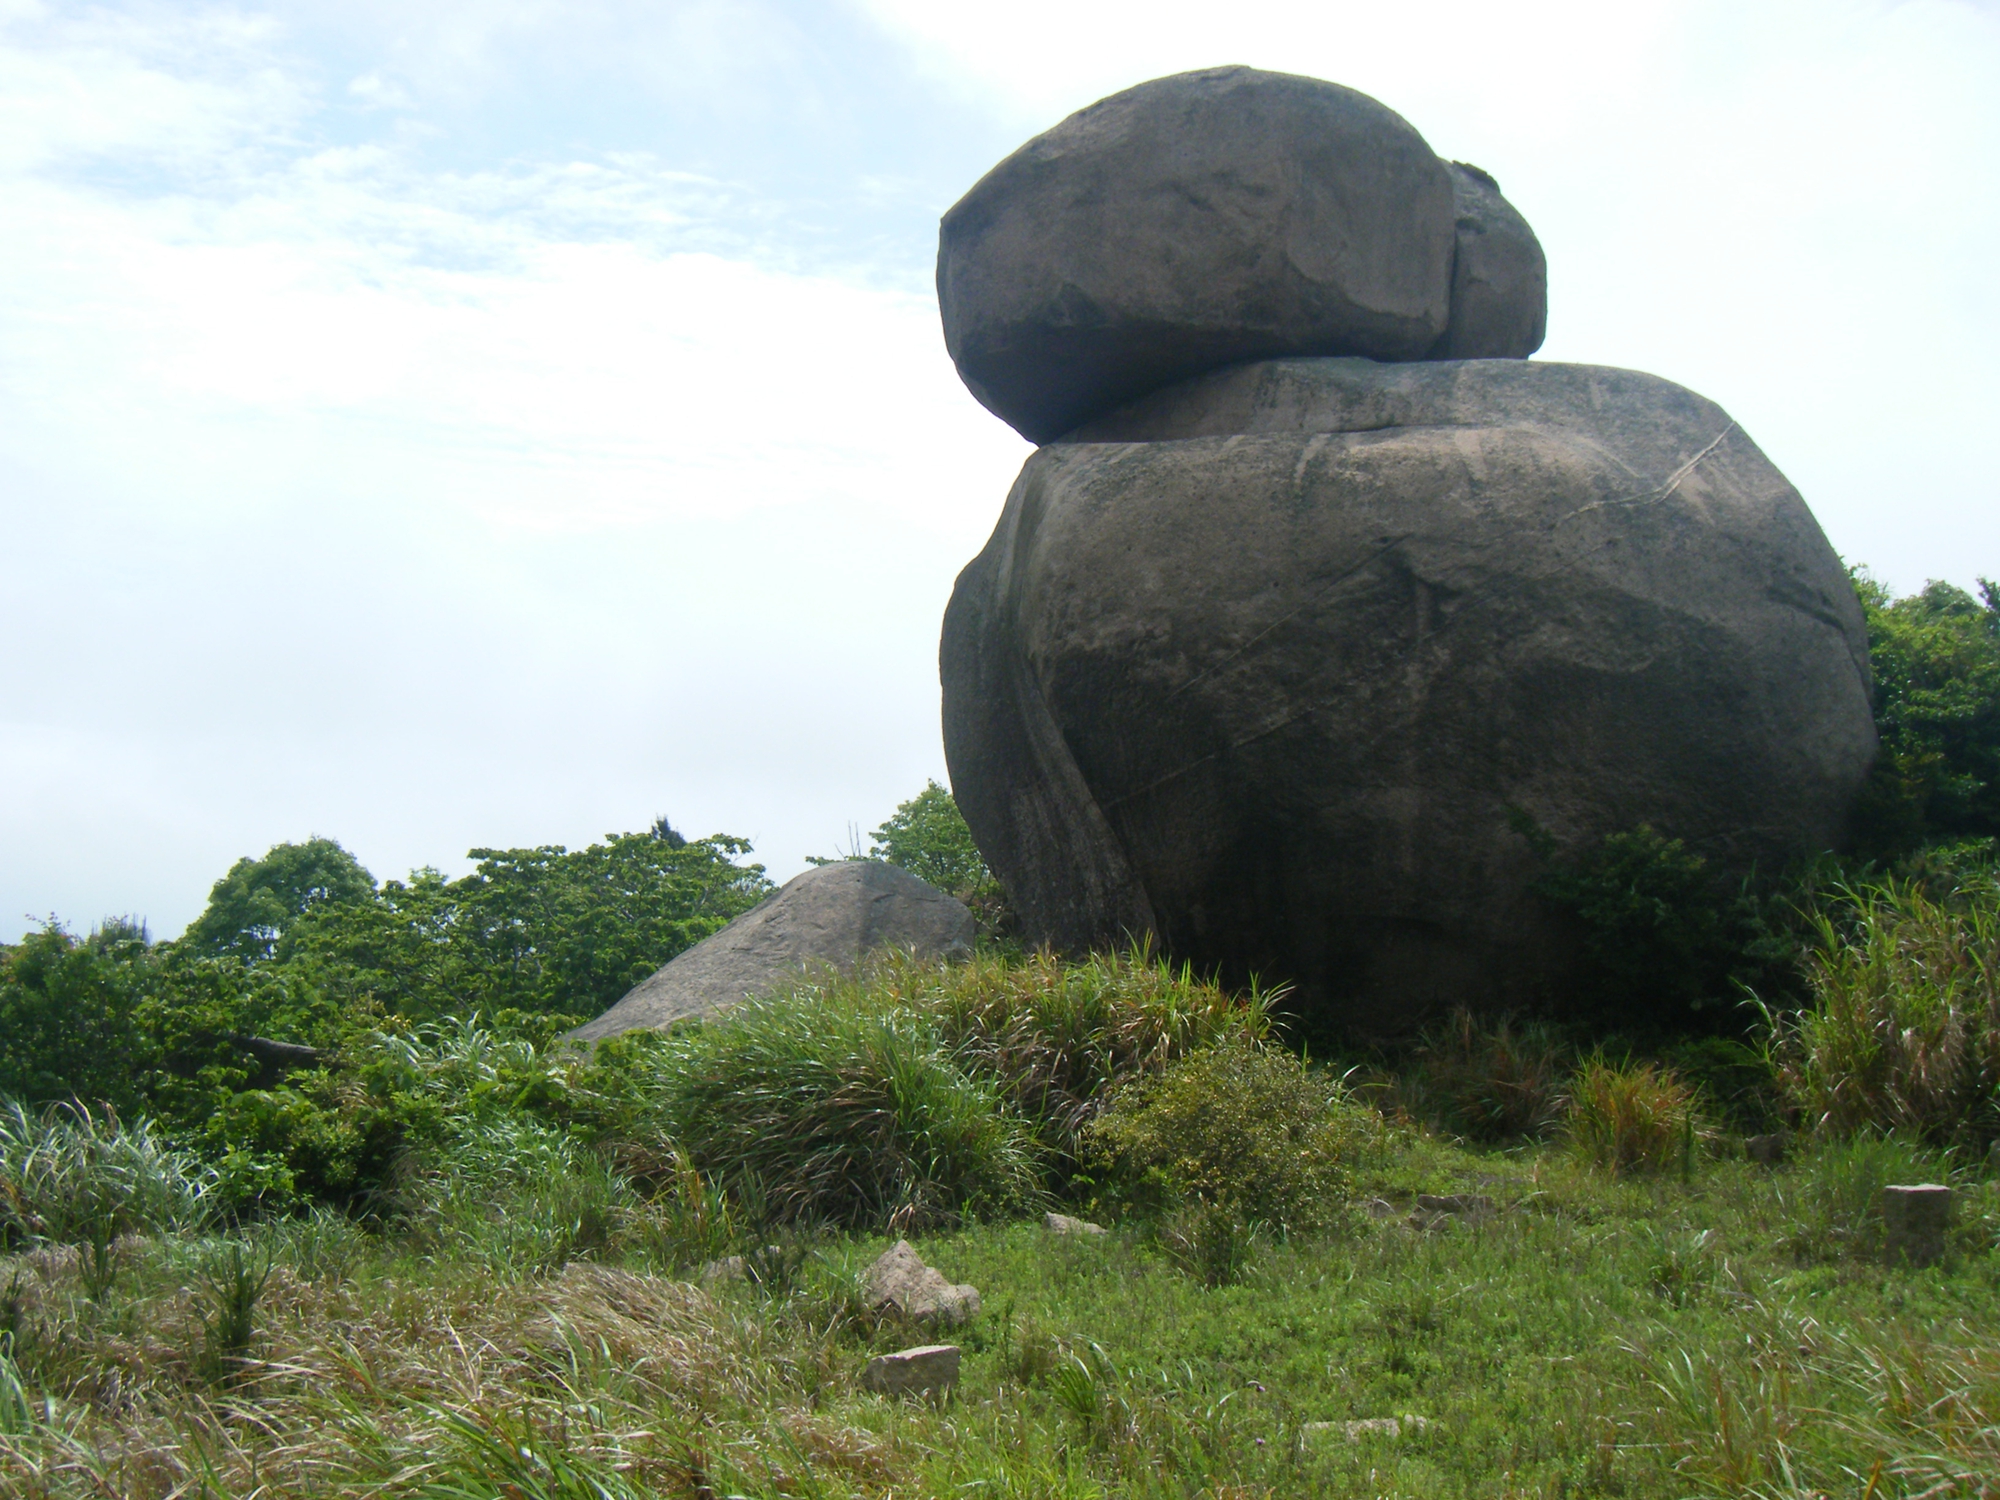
[728,1268]
[1499,276]
[1189,223]
[1270,665]
[927,1370]
[899,1282]
[1379,1209]
[1915,1217]
[1765,1150]
[1365,1427]
[1064,1224]
[830,915]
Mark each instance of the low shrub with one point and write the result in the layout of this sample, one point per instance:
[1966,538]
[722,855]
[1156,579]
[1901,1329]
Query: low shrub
[1487,1079]
[1058,1037]
[1249,1131]
[1902,1031]
[833,1112]
[73,1176]
[1632,1117]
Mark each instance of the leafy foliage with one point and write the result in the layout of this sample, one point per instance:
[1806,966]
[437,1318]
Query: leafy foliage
[535,930]
[252,907]
[1902,1031]
[1936,661]
[927,836]
[69,1015]
[1250,1132]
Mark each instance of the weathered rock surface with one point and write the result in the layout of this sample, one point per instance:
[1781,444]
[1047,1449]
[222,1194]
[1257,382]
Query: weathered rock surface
[830,915]
[1065,1224]
[1367,1427]
[1915,1217]
[901,1283]
[1190,223]
[928,1369]
[1270,664]
[1499,276]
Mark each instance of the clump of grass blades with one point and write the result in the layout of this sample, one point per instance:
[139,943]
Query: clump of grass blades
[1057,1037]
[1903,1029]
[231,1278]
[1632,1117]
[72,1176]
[1488,1079]
[843,1114]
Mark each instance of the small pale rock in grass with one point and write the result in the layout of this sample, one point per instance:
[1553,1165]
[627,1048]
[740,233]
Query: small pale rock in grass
[1765,1150]
[1915,1217]
[1379,1208]
[900,1282]
[1354,1432]
[926,1370]
[729,1268]
[1064,1224]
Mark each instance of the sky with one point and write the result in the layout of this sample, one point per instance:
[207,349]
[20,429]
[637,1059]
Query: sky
[501,424]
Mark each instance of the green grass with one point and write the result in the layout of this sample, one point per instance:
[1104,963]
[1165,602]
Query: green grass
[1632,1337]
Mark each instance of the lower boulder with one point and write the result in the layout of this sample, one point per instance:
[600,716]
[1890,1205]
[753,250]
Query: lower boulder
[830,915]
[1278,664]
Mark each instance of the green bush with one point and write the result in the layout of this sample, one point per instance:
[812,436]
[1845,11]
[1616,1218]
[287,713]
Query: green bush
[1902,1031]
[1247,1131]
[827,1111]
[1632,1117]
[1936,662]
[1056,1037]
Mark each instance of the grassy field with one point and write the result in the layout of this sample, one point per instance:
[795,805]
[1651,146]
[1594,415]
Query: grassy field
[1727,1331]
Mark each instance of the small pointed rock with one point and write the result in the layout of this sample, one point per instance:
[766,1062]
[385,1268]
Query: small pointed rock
[900,1282]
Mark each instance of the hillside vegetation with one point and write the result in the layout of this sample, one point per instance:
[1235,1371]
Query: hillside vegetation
[314,1200]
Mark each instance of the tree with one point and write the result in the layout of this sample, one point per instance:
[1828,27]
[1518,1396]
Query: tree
[252,907]
[68,1006]
[927,836]
[1936,660]
[547,929]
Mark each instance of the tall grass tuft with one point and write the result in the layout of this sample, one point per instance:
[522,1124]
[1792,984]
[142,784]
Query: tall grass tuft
[1056,1037]
[1902,1032]
[840,1113]
[72,1176]
[231,1278]
[1632,1117]
[1488,1079]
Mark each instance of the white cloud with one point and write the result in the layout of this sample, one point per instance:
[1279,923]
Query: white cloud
[429,509]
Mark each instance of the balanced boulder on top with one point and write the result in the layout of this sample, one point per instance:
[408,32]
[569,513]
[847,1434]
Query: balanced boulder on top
[1213,217]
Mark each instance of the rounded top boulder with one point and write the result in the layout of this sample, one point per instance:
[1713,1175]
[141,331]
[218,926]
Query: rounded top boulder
[1210,218]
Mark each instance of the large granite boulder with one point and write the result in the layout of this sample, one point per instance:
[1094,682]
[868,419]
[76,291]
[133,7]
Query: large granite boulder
[1214,217]
[1270,664]
[831,915]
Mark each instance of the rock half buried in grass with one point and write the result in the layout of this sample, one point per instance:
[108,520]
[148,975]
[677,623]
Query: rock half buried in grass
[831,915]
[1915,1217]
[927,1370]
[1366,1427]
[899,1282]
[1064,1224]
